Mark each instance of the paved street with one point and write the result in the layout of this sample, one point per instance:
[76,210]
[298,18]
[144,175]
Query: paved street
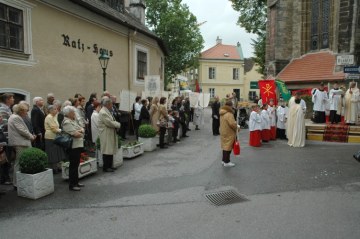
[311,192]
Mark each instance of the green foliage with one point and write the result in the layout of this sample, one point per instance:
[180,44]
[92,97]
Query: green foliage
[131,144]
[33,161]
[147,131]
[253,17]
[178,28]
[98,143]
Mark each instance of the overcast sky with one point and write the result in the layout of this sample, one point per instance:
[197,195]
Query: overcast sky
[221,21]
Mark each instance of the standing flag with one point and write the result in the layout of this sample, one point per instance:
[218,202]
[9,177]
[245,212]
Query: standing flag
[267,91]
[284,92]
[197,87]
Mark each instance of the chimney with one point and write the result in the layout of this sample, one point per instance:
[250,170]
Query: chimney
[218,40]
[238,44]
[137,9]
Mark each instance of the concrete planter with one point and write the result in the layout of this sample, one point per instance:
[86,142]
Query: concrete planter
[149,143]
[117,162]
[85,168]
[133,151]
[35,186]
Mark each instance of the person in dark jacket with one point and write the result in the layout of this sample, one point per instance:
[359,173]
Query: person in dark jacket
[37,120]
[215,116]
[144,113]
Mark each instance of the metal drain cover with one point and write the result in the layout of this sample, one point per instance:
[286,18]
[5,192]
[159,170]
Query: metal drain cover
[225,198]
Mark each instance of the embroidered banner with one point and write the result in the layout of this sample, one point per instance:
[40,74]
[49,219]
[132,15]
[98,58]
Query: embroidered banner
[267,91]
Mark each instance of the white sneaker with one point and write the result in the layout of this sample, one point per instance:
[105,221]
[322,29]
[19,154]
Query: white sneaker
[229,164]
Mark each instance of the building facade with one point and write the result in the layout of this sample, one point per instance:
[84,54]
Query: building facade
[252,76]
[221,70]
[306,39]
[54,46]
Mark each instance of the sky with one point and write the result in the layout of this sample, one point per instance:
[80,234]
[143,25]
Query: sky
[221,21]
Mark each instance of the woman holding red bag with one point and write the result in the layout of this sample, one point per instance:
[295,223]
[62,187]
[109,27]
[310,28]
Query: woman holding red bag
[228,130]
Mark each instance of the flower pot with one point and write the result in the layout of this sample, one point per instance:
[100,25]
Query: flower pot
[118,158]
[132,151]
[85,168]
[99,158]
[149,143]
[35,186]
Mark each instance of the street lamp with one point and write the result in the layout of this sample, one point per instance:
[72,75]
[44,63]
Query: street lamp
[104,60]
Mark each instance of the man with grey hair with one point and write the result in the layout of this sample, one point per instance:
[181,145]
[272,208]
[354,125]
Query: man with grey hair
[37,120]
[107,126]
[49,101]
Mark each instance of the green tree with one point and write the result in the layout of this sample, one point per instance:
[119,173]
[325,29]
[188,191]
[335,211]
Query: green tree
[178,28]
[253,18]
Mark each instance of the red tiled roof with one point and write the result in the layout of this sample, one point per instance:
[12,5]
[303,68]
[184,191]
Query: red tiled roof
[220,51]
[318,66]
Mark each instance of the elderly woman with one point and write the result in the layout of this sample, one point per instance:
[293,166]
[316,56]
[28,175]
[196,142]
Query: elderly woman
[19,135]
[154,113]
[55,153]
[71,127]
[163,118]
[107,126]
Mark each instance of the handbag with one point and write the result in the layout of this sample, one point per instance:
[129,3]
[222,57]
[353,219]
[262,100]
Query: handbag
[63,140]
[236,147]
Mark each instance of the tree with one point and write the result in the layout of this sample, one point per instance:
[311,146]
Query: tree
[178,28]
[253,18]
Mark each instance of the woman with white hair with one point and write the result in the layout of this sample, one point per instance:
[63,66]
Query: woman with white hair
[19,135]
[55,153]
[71,126]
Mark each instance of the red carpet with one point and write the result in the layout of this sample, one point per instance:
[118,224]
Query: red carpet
[336,133]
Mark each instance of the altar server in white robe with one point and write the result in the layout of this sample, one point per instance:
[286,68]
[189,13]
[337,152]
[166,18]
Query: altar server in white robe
[335,96]
[255,126]
[351,104]
[281,113]
[296,125]
[265,124]
[319,98]
[272,114]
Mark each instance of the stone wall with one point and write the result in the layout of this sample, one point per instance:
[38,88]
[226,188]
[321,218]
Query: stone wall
[345,25]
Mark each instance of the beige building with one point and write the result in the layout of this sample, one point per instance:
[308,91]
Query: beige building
[54,46]
[221,70]
[252,76]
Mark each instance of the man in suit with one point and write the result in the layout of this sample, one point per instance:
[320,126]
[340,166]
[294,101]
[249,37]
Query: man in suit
[215,116]
[37,120]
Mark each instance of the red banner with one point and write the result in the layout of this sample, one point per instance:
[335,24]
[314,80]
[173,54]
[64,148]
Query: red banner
[267,91]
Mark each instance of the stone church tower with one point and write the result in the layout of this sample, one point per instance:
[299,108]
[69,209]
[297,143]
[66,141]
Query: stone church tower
[298,28]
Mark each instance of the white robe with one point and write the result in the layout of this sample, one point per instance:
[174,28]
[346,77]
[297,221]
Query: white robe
[319,99]
[198,116]
[302,103]
[272,114]
[94,126]
[265,120]
[254,121]
[335,99]
[296,126]
[281,117]
[351,106]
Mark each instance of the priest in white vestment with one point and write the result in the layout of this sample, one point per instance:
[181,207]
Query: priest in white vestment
[351,104]
[319,98]
[296,125]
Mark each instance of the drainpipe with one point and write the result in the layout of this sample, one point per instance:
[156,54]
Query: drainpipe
[353,27]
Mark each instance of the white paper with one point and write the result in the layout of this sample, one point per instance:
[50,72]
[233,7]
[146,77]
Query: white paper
[152,86]
[127,98]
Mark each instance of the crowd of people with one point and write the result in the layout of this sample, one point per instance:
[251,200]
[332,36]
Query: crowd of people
[86,122]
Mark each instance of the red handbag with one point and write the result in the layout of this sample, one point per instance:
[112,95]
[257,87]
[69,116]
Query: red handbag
[236,147]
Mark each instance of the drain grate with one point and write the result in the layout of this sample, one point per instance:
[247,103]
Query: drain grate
[225,198]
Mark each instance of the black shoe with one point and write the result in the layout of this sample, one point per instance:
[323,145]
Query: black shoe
[185,136]
[108,170]
[163,147]
[80,185]
[197,129]
[113,168]
[75,188]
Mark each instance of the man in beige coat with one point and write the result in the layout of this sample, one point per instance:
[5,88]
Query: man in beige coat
[107,126]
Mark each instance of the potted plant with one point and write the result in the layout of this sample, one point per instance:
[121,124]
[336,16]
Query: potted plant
[132,149]
[34,180]
[147,136]
[118,157]
[87,166]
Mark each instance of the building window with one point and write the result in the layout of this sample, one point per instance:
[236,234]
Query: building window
[11,28]
[212,92]
[212,72]
[141,65]
[118,5]
[320,20]
[235,73]
[252,95]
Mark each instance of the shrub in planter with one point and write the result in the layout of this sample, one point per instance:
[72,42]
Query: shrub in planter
[147,131]
[33,161]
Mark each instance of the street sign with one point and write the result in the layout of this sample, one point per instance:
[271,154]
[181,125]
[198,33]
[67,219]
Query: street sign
[344,60]
[352,69]
[254,85]
[353,77]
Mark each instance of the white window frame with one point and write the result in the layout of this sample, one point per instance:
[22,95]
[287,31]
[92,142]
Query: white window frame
[236,74]
[10,58]
[212,92]
[212,76]
[147,51]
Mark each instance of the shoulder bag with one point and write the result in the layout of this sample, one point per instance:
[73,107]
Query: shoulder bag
[63,140]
